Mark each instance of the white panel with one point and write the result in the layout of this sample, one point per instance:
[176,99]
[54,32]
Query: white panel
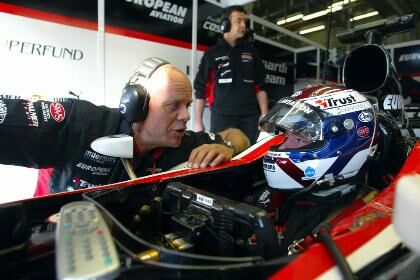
[31,62]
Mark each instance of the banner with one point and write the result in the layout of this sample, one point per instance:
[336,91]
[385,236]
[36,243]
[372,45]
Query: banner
[279,69]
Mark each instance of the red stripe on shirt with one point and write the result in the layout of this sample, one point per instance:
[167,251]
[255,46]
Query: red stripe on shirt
[210,85]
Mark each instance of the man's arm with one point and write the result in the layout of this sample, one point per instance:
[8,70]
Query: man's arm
[199,109]
[215,154]
[201,83]
[262,99]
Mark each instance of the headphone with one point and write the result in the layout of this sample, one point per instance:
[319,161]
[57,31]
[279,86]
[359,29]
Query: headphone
[225,25]
[134,102]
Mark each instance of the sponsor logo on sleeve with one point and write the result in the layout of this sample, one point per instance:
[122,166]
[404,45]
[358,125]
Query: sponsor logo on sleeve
[31,113]
[95,157]
[95,170]
[363,131]
[3,111]
[45,112]
[57,111]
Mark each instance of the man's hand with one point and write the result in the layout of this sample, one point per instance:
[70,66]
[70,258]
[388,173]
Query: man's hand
[209,155]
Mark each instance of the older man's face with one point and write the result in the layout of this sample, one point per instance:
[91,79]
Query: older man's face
[166,122]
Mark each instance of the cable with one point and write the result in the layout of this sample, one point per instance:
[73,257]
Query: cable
[336,253]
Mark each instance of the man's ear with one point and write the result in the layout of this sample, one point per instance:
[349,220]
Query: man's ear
[137,127]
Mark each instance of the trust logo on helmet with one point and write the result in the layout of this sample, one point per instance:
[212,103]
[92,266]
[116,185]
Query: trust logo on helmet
[335,102]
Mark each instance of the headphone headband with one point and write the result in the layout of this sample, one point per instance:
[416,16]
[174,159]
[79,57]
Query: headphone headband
[149,66]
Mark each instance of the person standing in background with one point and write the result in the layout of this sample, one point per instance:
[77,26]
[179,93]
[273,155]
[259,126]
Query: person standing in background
[231,78]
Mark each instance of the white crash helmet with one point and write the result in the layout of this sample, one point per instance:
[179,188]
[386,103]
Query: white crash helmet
[330,132]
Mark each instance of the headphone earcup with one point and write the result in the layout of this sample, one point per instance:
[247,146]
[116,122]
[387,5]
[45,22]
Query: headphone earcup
[134,103]
[225,25]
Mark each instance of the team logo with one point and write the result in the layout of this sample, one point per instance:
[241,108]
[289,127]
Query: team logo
[57,111]
[365,116]
[363,131]
[3,111]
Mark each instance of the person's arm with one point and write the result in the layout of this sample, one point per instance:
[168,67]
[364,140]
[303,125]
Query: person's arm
[215,154]
[201,84]
[43,133]
[261,93]
[199,109]
[262,102]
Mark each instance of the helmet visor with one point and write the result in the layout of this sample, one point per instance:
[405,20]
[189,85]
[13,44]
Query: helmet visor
[295,116]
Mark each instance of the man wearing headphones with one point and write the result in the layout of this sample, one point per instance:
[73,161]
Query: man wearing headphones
[231,77]
[61,133]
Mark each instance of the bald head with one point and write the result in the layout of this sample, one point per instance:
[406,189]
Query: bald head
[164,78]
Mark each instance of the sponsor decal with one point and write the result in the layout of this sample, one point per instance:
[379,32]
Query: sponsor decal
[57,111]
[225,72]
[36,49]
[93,156]
[95,170]
[212,26]
[297,105]
[309,172]
[269,167]
[365,116]
[164,10]
[393,102]
[31,113]
[225,81]
[363,131]
[79,183]
[279,68]
[297,93]
[409,57]
[3,111]
[275,80]
[45,112]
[352,108]
[327,103]
[224,57]
[123,108]
[275,67]
[268,164]
[246,57]
[366,218]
